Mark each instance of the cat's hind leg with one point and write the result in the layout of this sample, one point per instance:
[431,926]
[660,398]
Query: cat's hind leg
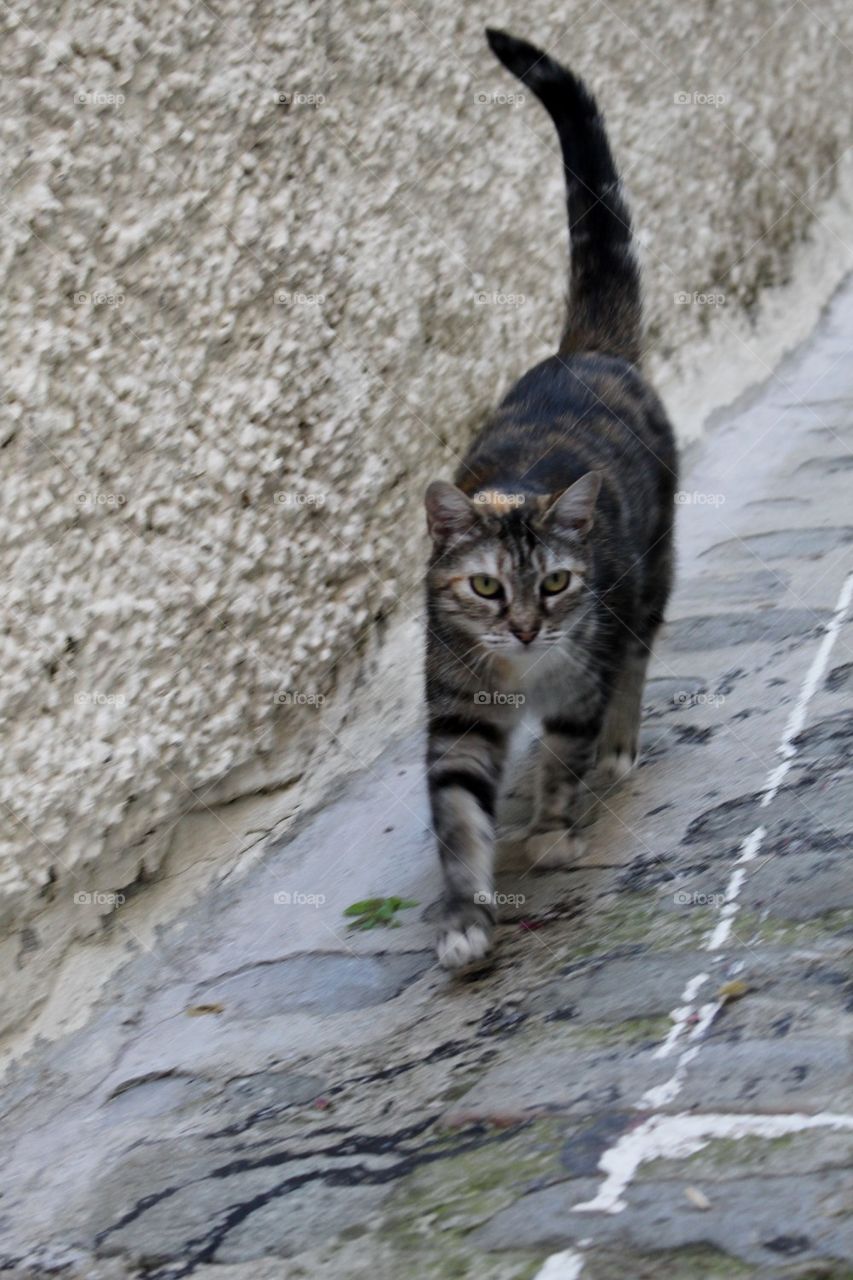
[568,751]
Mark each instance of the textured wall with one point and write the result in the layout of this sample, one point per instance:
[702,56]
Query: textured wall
[265,266]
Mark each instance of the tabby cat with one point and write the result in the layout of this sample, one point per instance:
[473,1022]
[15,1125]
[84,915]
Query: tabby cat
[552,553]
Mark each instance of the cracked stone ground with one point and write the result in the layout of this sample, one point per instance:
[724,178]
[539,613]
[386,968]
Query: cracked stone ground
[653,1079]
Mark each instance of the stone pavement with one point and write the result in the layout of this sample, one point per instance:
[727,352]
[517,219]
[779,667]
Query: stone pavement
[652,1080]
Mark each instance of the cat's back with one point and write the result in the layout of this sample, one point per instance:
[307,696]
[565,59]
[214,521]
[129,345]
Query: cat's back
[567,415]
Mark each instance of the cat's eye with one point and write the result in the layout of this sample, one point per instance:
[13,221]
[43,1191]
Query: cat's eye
[482,584]
[554,583]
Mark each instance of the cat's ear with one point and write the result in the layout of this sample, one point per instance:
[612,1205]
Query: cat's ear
[449,513]
[574,509]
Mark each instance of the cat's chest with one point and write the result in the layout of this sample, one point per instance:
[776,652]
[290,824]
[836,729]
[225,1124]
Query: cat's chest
[534,675]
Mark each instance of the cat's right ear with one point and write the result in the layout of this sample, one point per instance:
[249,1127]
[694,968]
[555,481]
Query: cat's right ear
[450,514]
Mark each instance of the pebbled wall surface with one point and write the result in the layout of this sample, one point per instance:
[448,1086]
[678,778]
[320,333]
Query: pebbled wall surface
[265,266]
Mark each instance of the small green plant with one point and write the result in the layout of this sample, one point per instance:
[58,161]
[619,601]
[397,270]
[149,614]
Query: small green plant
[377,911]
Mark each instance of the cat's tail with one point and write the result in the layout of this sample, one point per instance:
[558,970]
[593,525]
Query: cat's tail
[605,301]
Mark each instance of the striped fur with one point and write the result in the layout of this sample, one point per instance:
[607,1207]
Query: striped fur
[574,475]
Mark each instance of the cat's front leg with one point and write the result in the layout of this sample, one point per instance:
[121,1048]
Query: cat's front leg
[567,754]
[465,758]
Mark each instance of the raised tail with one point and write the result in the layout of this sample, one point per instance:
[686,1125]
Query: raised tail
[605,300]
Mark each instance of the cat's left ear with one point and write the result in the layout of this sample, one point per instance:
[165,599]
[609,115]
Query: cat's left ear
[574,509]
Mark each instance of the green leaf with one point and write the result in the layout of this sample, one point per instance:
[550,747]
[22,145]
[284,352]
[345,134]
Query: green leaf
[372,912]
[361,908]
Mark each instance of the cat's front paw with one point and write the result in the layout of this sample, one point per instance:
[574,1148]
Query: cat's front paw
[464,937]
[616,765]
[549,849]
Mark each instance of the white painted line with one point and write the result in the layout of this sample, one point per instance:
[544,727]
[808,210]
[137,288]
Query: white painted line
[750,848]
[749,852]
[661,1094]
[567,1265]
[797,717]
[676,1137]
[681,1014]
[681,1135]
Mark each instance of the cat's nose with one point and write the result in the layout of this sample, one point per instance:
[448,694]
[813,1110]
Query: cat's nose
[525,635]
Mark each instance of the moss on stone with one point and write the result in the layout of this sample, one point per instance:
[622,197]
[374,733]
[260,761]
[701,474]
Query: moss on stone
[633,1031]
[434,1208]
[640,918]
[688,1263]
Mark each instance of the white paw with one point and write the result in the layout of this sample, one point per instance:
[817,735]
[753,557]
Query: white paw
[554,849]
[459,947]
[617,765]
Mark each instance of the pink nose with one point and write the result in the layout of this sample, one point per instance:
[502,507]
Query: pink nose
[525,636]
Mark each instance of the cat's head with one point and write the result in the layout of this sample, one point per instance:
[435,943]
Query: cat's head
[511,570]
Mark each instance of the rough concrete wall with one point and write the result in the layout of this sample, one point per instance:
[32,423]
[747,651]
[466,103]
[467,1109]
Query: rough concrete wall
[265,268]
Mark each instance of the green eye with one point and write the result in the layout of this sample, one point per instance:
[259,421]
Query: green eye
[554,583]
[483,585]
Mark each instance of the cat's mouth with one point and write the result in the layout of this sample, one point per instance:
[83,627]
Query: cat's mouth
[512,644]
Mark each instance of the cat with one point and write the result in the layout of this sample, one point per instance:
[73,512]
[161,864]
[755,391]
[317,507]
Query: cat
[551,559]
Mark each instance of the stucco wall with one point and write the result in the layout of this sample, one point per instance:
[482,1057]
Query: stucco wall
[264,268]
